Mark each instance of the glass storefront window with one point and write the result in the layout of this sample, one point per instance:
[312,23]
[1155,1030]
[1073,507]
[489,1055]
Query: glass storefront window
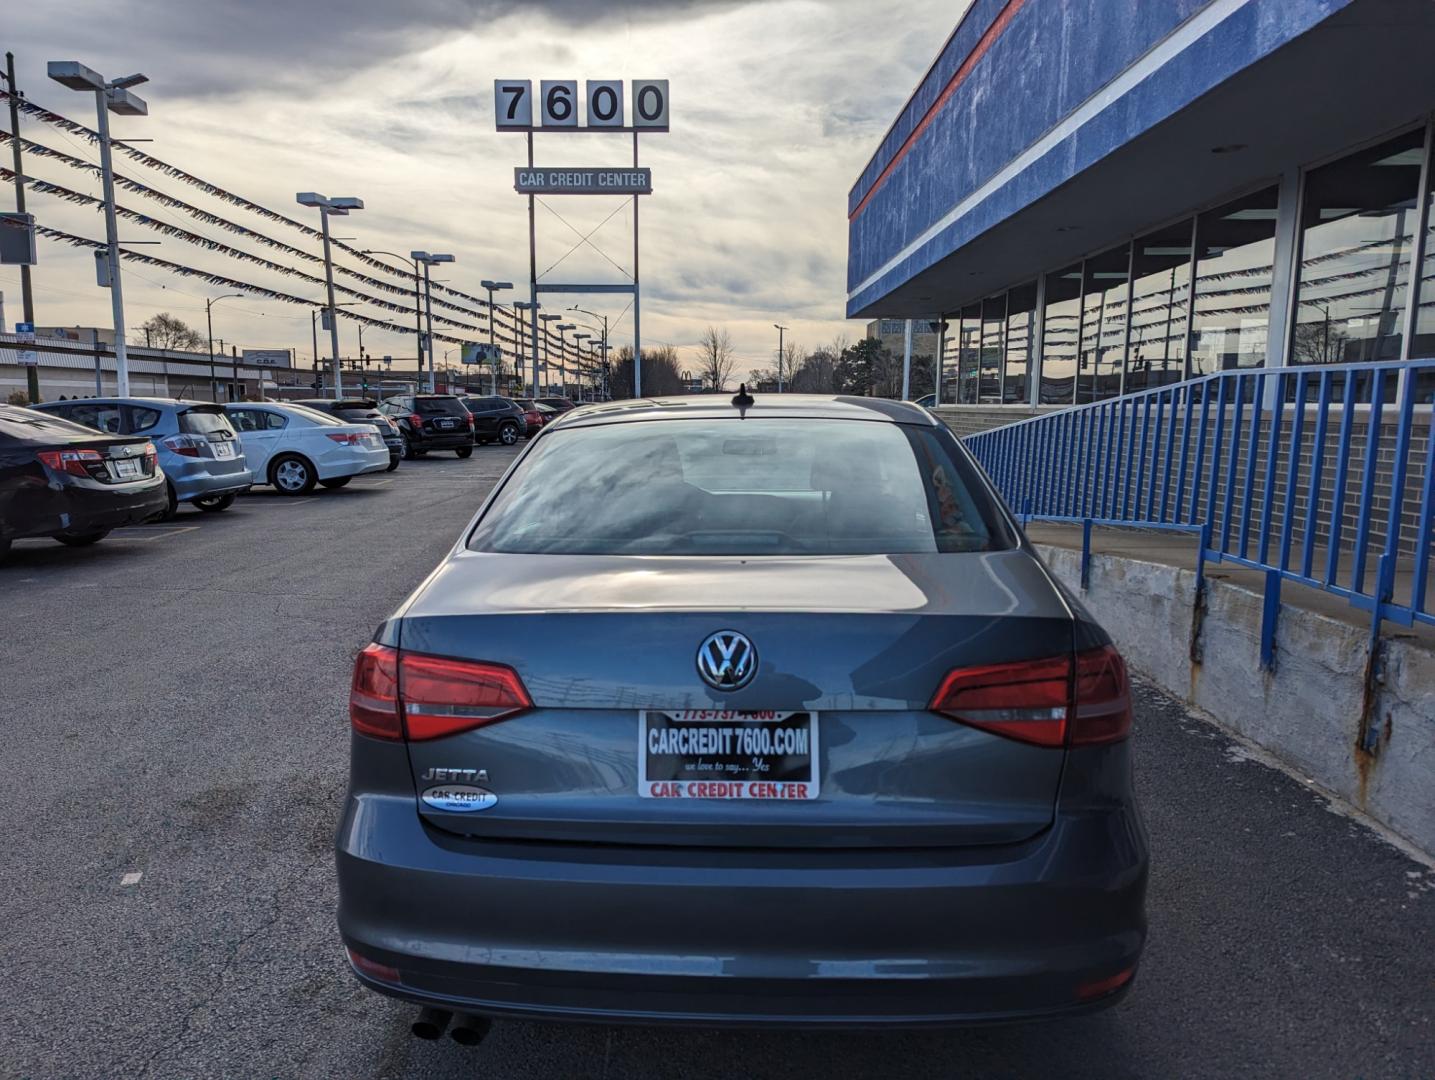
[1161,272]
[1061,335]
[1358,226]
[949,392]
[969,351]
[1103,324]
[1020,339]
[1235,252]
[993,330]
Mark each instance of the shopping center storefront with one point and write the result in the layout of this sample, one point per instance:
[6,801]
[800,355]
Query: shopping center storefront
[1103,198]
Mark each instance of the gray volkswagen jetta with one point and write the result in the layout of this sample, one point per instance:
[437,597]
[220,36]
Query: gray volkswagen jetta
[757,713]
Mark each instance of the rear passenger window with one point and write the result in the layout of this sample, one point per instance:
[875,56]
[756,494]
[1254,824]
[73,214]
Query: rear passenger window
[244,420]
[273,421]
[100,417]
[142,419]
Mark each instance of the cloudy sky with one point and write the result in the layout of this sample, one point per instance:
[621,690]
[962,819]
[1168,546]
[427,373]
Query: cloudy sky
[776,106]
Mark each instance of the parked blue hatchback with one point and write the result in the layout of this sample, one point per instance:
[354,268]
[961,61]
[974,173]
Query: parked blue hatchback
[199,450]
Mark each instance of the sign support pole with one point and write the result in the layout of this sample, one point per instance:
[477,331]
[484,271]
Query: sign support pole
[27,297]
[637,298]
[533,275]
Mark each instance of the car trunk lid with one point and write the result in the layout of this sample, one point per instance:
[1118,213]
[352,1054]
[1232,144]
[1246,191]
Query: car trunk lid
[850,651]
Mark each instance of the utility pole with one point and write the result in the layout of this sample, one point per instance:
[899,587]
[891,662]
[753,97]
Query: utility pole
[907,361]
[27,296]
[780,331]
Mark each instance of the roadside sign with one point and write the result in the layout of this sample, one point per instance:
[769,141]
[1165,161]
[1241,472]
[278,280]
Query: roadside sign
[560,102]
[605,103]
[17,239]
[474,353]
[266,357]
[25,331]
[513,104]
[650,104]
[572,181]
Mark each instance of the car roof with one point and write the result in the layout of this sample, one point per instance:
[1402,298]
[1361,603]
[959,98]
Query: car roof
[156,402]
[712,406]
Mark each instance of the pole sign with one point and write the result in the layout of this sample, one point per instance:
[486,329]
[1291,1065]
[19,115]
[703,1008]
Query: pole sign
[577,181]
[25,331]
[474,353]
[17,239]
[559,105]
[266,357]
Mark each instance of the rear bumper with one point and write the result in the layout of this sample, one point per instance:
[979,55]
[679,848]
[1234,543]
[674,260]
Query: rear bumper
[344,461]
[194,480]
[45,511]
[446,441]
[750,938]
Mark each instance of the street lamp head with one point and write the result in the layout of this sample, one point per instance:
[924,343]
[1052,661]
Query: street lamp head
[496,285]
[346,203]
[775,326]
[550,317]
[129,80]
[524,305]
[420,256]
[566,326]
[310,198]
[75,75]
[122,103]
[443,258]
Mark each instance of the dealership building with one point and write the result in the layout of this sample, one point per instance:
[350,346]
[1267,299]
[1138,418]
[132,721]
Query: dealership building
[1097,198]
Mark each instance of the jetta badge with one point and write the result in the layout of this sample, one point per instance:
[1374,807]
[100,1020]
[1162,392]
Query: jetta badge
[727,660]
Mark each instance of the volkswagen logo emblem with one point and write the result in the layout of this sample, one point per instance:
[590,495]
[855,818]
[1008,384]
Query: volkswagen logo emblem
[727,660]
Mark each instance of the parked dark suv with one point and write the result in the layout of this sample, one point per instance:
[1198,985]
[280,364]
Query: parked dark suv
[359,411]
[496,419]
[431,422]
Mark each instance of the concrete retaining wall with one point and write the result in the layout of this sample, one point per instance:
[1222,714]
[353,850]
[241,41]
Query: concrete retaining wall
[1307,712]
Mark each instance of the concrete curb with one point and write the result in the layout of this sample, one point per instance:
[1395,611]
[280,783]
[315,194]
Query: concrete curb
[1307,711]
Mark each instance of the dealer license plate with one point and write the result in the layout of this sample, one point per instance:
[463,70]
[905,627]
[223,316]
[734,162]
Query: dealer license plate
[126,469]
[724,754]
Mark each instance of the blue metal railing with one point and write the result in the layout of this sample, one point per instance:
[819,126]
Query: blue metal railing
[1315,475]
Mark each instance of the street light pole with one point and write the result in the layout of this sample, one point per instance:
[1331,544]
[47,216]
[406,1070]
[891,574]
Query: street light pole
[209,323]
[492,286]
[327,208]
[780,331]
[546,320]
[110,96]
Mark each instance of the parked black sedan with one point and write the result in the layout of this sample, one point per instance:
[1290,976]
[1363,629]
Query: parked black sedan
[72,483]
[360,411]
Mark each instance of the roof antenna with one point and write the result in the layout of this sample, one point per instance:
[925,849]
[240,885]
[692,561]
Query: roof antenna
[742,399]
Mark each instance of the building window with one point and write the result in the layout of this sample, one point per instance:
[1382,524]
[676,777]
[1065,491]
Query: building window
[950,388]
[989,389]
[1358,223]
[1235,251]
[1020,332]
[1161,272]
[969,351]
[1061,335]
[1103,324]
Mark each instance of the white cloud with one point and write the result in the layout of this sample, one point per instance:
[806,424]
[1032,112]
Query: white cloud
[776,107]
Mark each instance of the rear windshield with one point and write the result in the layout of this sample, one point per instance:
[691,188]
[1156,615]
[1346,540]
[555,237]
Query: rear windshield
[361,414]
[742,487]
[203,421]
[22,425]
[439,406]
[314,415]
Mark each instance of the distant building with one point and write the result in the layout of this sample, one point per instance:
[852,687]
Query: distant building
[892,332]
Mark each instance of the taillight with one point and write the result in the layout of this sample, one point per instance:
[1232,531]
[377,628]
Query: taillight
[470,420]
[184,445]
[443,697]
[374,693]
[416,420]
[151,457]
[74,462]
[347,438]
[1059,701]
[394,695]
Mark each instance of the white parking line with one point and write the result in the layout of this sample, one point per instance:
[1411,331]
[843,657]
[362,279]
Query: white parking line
[160,531]
[132,878]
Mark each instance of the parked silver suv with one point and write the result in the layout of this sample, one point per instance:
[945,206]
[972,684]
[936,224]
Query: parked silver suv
[199,451]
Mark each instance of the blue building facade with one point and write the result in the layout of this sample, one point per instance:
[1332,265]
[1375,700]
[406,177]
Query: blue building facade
[1103,196]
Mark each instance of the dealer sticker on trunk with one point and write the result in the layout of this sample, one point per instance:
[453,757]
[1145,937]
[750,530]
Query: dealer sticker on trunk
[726,754]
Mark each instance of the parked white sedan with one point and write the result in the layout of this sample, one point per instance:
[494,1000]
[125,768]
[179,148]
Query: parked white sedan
[294,447]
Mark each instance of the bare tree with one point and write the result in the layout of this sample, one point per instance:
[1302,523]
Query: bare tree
[165,331]
[791,353]
[715,358]
[662,376]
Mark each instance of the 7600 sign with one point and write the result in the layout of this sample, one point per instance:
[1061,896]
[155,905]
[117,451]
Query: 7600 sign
[558,105]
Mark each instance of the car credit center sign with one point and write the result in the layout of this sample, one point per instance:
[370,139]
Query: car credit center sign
[567,181]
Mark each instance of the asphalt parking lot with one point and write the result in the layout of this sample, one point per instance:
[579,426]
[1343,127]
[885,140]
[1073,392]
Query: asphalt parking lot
[176,755]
